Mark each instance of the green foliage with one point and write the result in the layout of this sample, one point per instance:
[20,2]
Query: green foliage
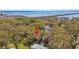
[60,39]
[18,32]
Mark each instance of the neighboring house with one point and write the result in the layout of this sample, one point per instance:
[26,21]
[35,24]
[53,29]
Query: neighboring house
[2,15]
[47,27]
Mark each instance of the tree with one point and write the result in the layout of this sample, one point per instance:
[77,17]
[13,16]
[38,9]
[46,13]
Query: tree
[60,39]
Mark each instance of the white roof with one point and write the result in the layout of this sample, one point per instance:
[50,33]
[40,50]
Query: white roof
[38,46]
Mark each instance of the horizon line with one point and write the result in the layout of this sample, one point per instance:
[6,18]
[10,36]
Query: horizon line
[41,10]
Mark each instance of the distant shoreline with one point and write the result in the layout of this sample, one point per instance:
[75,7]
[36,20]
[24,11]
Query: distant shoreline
[40,13]
[4,15]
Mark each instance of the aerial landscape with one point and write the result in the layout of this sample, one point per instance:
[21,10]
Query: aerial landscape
[39,29]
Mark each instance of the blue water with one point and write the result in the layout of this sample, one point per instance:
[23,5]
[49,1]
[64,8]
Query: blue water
[41,13]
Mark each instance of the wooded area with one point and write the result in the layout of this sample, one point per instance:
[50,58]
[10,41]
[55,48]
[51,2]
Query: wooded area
[18,33]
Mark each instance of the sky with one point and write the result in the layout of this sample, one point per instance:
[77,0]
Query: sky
[38,4]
